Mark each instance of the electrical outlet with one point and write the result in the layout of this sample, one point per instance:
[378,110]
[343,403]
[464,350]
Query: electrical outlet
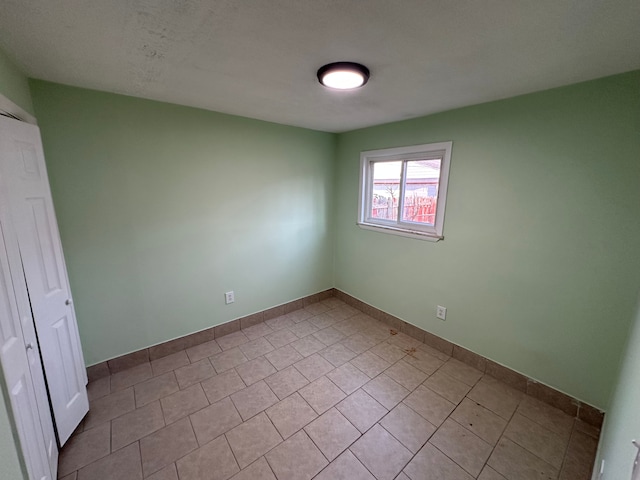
[229,297]
[441,312]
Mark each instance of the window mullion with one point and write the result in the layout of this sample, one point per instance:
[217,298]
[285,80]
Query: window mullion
[403,175]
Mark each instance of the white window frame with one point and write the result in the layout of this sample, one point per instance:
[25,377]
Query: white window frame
[433,233]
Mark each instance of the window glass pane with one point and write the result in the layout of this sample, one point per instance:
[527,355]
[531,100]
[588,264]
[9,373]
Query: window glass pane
[385,190]
[421,191]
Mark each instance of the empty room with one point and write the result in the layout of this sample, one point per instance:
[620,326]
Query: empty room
[319,239]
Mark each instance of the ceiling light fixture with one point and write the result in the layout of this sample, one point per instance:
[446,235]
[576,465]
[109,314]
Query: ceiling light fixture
[343,75]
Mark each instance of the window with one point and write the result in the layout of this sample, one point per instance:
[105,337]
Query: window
[403,190]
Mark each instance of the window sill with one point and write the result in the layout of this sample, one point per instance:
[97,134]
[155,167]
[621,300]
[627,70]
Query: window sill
[429,237]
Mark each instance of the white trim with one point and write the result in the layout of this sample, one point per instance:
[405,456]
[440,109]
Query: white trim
[401,232]
[14,110]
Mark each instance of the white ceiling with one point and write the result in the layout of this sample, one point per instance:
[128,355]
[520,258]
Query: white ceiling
[258,58]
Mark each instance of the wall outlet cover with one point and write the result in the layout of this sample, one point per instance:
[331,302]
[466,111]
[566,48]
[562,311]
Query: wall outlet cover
[441,312]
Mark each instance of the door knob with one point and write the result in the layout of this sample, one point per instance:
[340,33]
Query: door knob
[29,346]
[68,301]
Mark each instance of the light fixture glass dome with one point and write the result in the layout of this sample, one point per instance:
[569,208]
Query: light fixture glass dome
[343,75]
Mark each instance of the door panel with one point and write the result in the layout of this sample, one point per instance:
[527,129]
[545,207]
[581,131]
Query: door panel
[35,432]
[34,220]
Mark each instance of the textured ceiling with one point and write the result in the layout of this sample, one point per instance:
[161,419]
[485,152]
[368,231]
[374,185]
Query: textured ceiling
[258,58]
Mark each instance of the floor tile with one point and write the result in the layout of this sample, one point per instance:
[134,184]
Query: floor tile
[99,388]
[333,302]
[484,423]
[347,327]
[228,359]
[404,341]
[489,473]
[280,338]
[408,427]
[322,321]
[316,308]
[387,351]
[300,315]
[313,367]
[258,470]
[332,433]
[543,443]
[348,378]
[342,312]
[362,410]
[308,345]
[337,354]
[203,350]
[434,352]
[386,391]
[280,323]
[156,388]
[285,382]
[321,394]
[447,387]
[169,363]
[496,396]
[551,418]
[128,378]
[232,340]
[183,403]
[254,399]
[255,370]
[213,461]
[71,476]
[283,357]
[402,476]
[167,445]
[461,371]
[513,461]
[578,462]
[329,336]
[85,448]
[137,424]
[167,473]
[252,439]
[194,373]
[382,454]
[431,463]
[345,467]
[108,407]
[370,364]
[291,415]
[296,458]
[214,420]
[257,331]
[423,361]
[303,329]
[358,343]
[406,375]
[463,447]
[256,348]
[223,385]
[124,463]
[430,405]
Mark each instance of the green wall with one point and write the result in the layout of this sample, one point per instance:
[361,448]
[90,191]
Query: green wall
[13,85]
[540,264]
[163,208]
[623,422]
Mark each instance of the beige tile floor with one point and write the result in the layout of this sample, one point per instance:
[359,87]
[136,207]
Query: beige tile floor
[325,392]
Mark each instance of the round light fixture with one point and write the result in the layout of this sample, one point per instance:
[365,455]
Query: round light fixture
[343,75]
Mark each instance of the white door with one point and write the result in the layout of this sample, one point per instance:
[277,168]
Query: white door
[35,431]
[33,218]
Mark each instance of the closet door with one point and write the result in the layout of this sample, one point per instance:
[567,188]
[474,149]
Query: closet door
[33,218]
[34,430]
